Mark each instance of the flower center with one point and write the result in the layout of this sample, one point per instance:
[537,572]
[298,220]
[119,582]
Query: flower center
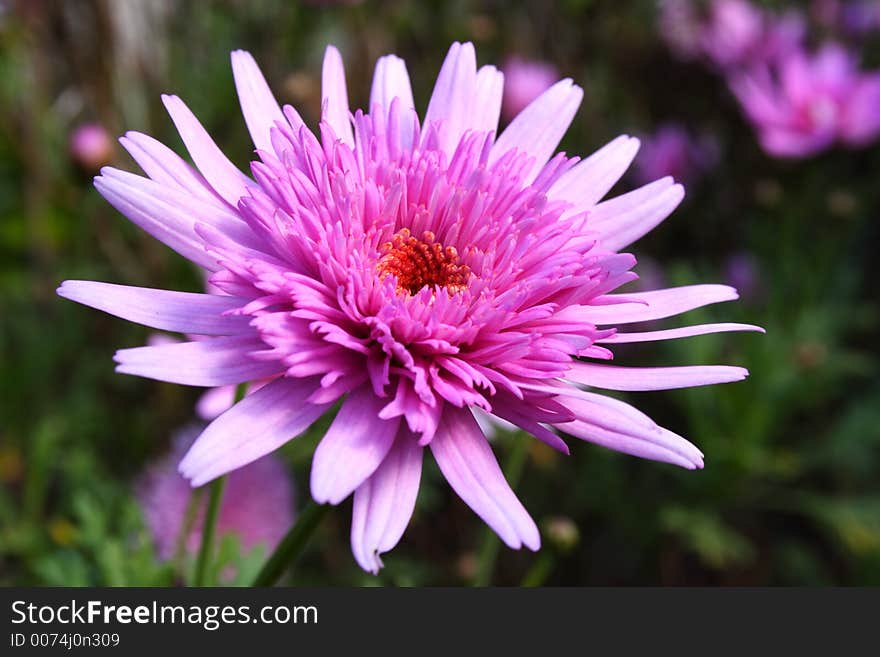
[418,263]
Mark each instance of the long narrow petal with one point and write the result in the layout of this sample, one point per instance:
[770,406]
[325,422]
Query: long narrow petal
[168,225]
[617,429]
[167,168]
[207,363]
[391,81]
[656,304]
[622,220]
[539,128]
[182,312]
[612,377]
[466,460]
[487,99]
[258,104]
[683,332]
[222,174]
[354,446]
[384,503]
[335,96]
[586,183]
[171,215]
[257,425]
[453,95]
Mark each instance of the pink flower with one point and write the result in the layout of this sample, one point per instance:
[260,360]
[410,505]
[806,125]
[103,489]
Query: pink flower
[680,26]
[806,103]
[91,146]
[733,33]
[671,151]
[257,506]
[524,80]
[413,271]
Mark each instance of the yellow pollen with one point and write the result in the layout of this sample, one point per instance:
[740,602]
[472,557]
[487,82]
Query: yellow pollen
[418,263]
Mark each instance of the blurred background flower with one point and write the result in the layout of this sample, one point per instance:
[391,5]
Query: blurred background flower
[524,80]
[257,506]
[804,103]
[672,151]
[91,147]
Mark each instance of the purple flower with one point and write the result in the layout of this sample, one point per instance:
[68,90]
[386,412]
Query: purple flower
[524,80]
[91,146]
[854,18]
[257,506]
[861,17]
[733,33]
[411,270]
[680,26]
[671,151]
[805,103]
[741,271]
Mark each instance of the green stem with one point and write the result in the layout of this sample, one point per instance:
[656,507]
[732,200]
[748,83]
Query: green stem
[189,521]
[539,571]
[208,530]
[292,545]
[513,469]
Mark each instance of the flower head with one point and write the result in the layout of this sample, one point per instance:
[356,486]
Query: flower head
[411,271]
[805,103]
[258,505]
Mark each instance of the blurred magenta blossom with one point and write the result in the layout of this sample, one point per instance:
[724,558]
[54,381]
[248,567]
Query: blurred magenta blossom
[672,151]
[91,146]
[861,16]
[853,18]
[524,80]
[806,102]
[257,506]
[732,33]
[741,271]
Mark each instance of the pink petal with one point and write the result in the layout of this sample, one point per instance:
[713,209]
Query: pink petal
[624,219]
[353,447]
[215,402]
[181,312]
[466,460]
[587,182]
[384,503]
[391,81]
[612,377]
[258,105]
[453,95]
[167,168]
[683,332]
[656,304]
[258,424]
[539,128]
[167,224]
[162,211]
[335,96]
[487,99]
[610,426]
[222,174]
[208,363]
